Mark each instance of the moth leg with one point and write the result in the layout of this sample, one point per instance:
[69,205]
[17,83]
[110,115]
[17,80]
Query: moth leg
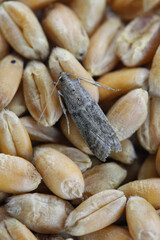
[57,83]
[79,79]
[64,109]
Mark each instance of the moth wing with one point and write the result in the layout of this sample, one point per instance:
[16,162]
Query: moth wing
[102,123]
[97,132]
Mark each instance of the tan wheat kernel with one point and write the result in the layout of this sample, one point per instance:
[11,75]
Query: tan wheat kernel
[60,174]
[146,188]
[129,9]
[41,213]
[138,42]
[85,10]
[40,133]
[11,70]
[14,138]
[22,30]
[59,27]
[17,175]
[81,159]
[11,229]
[36,4]
[127,155]
[143,220]
[125,80]
[102,177]
[43,105]
[95,213]
[148,168]
[101,54]
[4,48]
[111,232]
[17,104]
[129,113]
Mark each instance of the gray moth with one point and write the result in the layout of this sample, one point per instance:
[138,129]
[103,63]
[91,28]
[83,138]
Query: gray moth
[89,118]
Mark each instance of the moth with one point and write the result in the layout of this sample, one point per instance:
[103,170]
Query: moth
[89,118]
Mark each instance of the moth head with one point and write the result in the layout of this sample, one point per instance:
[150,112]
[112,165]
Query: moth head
[63,76]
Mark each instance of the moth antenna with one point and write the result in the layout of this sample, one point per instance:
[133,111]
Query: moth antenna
[95,83]
[64,109]
[98,84]
[56,84]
